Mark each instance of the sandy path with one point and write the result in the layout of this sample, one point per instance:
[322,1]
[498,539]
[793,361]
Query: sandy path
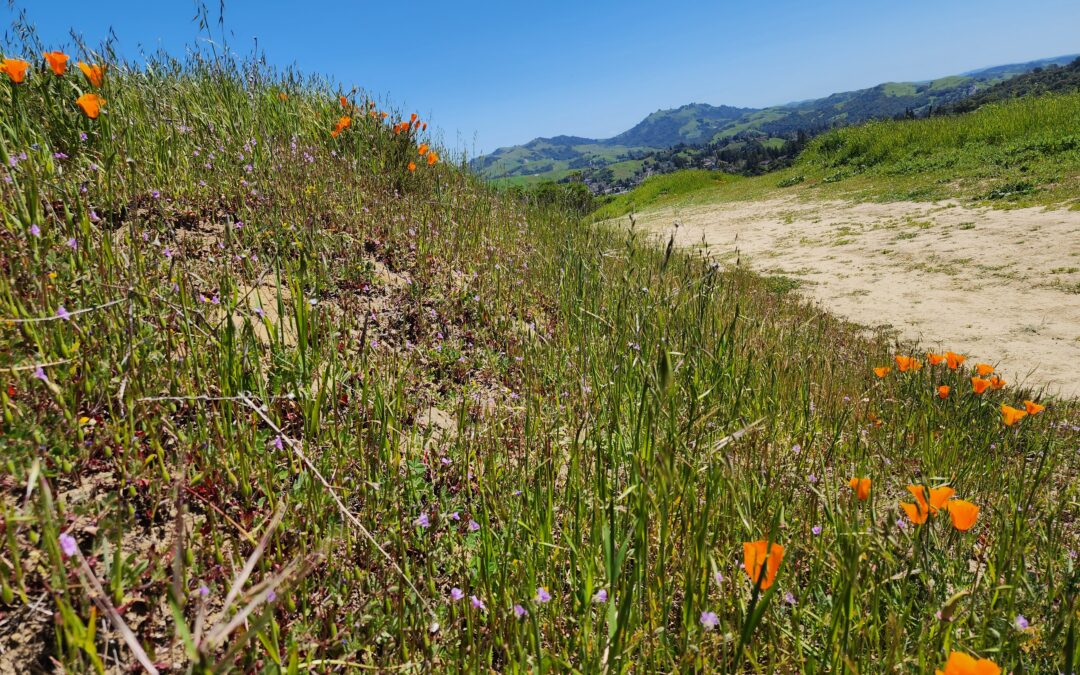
[1000,286]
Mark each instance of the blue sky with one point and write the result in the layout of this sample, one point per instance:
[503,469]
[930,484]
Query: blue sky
[498,73]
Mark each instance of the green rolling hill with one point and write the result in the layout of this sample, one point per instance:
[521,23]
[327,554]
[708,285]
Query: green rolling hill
[631,156]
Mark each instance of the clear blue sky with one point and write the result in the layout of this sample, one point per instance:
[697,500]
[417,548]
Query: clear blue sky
[502,72]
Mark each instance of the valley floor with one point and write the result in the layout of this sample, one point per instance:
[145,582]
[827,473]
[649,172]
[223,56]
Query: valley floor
[1002,286]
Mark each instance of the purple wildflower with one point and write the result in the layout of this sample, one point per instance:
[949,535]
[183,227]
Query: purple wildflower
[62,312]
[203,590]
[82,136]
[816,530]
[155,194]
[68,544]
[600,597]
[59,155]
[39,373]
[901,524]
[456,594]
[709,620]
[35,230]
[73,244]
[271,596]
[542,595]
[520,612]
[1021,622]
[454,516]
[423,520]
[477,603]
[790,599]
[277,443]
[812,478]
[473,526]
[718,578]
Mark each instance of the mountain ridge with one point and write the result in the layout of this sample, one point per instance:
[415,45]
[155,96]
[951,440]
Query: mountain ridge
[624,158]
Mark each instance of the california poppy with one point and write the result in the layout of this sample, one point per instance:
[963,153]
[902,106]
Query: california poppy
[57,61]
[861,486]
[423,149]
[91,105]
[963,514]
[997,383]
[943,391]
[915,512]
[762,561]
[983,369]
[15,69]
[882,371]
[962,664]
[937,497]
[432,158]
[95,74]
[344,101]
[979,385]
[906,363]
[412,119]
[1033,408]
[1011,415]
[934,359]
[412,166]
[283,96]
[384,115]
[423,127]
[344,123]
[954,360]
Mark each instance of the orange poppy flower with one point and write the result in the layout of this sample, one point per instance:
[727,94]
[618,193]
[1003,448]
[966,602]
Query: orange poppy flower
[283,96]
[91,105]
[57,61]
[1011,415]
[979,385]
[934,359]
[762,561]
[861,486]
[342,124]
[95,74]
[344,101]
[962,664]
[997,383]
[915,513]
[412,166]
[423,149]
[954,360]
[15,69]
[1033,408]
[906,363]
[983,369]
[963,514]
[938,497]
[882,371]
[384,115]
[943,391]
[432,157]
[412,119]
[423,127]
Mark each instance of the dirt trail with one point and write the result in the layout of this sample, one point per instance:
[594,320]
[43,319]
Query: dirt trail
[1000,286]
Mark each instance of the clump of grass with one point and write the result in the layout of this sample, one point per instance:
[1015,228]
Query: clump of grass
[272,401]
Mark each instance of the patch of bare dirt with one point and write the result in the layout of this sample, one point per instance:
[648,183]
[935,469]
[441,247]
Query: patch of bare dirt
[1002,286]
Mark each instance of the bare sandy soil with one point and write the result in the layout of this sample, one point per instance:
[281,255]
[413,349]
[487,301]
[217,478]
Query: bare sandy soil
[1000,286]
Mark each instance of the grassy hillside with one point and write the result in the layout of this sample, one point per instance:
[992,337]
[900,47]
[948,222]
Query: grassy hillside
[1021,152]
[274,401]
[701,124]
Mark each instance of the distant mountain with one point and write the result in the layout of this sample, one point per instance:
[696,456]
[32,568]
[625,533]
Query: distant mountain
[1043,79]
[626,158]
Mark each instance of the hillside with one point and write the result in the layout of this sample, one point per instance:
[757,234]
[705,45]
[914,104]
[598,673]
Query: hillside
[631,155]
[284,392]
[1043,80]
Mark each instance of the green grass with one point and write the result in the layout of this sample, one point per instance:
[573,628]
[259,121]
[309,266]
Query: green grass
[223,336]
[663,189]
[1025,152]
